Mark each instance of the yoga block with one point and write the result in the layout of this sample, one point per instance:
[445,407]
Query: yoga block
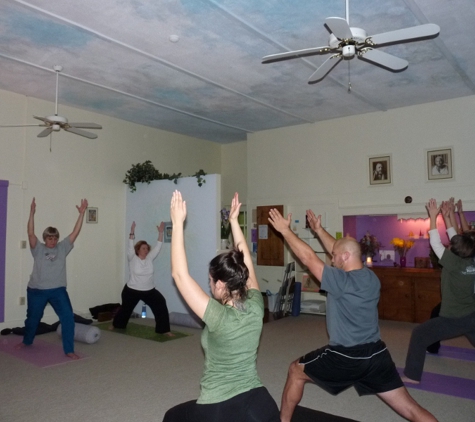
[84,333]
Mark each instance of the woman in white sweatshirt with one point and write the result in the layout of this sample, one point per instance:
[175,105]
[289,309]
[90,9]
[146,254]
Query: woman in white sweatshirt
[141,284]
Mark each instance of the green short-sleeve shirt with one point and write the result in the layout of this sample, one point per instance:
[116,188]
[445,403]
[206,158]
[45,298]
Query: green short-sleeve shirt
[458,278]
[230,340]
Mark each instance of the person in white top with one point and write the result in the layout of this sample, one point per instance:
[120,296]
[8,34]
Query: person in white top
[141,284]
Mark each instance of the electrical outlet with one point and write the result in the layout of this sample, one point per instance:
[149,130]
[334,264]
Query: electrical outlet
[21,300]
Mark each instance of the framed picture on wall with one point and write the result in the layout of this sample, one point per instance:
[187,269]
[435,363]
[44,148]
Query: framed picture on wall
[439,164]
[92,215]
[167,233]
[310,283]
[380,170]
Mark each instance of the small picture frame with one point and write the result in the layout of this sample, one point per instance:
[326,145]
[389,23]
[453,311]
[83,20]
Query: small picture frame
[310,283]
[439,164]
[380,170]
[167,233]
[92,215]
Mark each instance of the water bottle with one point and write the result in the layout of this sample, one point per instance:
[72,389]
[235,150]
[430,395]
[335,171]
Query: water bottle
[144,311]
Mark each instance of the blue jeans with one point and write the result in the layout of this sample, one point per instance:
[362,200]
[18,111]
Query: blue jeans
[59,300]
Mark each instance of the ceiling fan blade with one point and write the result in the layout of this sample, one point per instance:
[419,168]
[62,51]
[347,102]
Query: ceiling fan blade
[327,65]
[43,119]
[295,54]
[384,59]
[80,132]
[339,28]
[45,132]
[405,34]
[22,125]
[86,125]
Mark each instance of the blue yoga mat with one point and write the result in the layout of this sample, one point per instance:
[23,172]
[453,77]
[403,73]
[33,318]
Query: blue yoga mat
[444,384]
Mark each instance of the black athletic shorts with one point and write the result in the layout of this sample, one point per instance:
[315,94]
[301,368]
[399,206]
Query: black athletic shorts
[367,367]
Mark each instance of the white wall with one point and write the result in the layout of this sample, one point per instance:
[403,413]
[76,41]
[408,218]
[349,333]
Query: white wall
[79,168]
[324,166]
[150,205]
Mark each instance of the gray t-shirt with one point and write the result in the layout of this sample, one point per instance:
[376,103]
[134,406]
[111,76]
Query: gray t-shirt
[49,267]
[352,306]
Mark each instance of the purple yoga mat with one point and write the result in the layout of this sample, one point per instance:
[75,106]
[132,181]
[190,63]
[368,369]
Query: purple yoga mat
[40,353]
[444,384]
[452,352]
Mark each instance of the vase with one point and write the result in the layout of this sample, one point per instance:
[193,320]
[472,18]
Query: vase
[402,261]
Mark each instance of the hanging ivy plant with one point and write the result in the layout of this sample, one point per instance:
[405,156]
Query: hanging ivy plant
[146,172]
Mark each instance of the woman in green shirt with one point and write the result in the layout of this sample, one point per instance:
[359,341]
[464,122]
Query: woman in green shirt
[230,387]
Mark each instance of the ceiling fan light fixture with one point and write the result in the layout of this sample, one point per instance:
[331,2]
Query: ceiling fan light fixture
[348,51]
[56,127]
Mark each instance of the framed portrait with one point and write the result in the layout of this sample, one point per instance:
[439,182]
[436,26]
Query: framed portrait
[387,256]
[380,170]
[310,283]
[167,233]
[92,215]
[439,164]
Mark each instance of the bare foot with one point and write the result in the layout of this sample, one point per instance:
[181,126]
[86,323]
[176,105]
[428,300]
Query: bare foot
[169,334]
[20,346]
[409,381]
[72,356]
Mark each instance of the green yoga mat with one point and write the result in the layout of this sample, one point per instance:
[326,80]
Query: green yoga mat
[142,331]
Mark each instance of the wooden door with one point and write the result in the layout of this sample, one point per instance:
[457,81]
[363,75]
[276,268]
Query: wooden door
[270,251]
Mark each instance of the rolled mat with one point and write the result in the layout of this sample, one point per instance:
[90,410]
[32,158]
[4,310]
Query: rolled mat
[84,333]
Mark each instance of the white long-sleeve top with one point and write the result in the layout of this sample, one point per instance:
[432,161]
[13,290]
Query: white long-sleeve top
[141,270]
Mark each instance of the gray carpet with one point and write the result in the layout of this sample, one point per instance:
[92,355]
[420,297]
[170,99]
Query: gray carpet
[130,379]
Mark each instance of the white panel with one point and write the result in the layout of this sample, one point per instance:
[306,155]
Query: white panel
[150,205]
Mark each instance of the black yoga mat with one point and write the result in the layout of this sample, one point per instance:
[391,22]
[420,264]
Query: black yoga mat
[304,414]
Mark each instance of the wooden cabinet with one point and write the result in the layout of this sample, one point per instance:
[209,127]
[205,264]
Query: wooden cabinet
[407,294]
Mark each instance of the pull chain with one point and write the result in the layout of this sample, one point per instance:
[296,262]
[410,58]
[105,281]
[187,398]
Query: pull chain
[349,78]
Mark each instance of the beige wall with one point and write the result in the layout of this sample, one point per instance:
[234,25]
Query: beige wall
[324,166]
[78,168]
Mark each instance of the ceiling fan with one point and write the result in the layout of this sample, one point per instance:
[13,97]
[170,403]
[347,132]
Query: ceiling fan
[56,123]
[346,42]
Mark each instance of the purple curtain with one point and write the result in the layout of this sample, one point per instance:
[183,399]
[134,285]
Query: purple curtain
[3,237]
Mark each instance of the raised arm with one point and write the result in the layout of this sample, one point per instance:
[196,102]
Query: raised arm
[240,242]
[303,251]
[161,229]
[463,221]
[435,241]
[193,294]
[158,247]
[77,227]
[316,225]
[32,239]
[130,247]
[453,220]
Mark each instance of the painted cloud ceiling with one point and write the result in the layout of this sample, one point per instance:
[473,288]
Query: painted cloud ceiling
[194,66]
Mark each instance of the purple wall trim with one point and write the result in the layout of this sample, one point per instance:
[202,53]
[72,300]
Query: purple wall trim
[387,227]
[3,238]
